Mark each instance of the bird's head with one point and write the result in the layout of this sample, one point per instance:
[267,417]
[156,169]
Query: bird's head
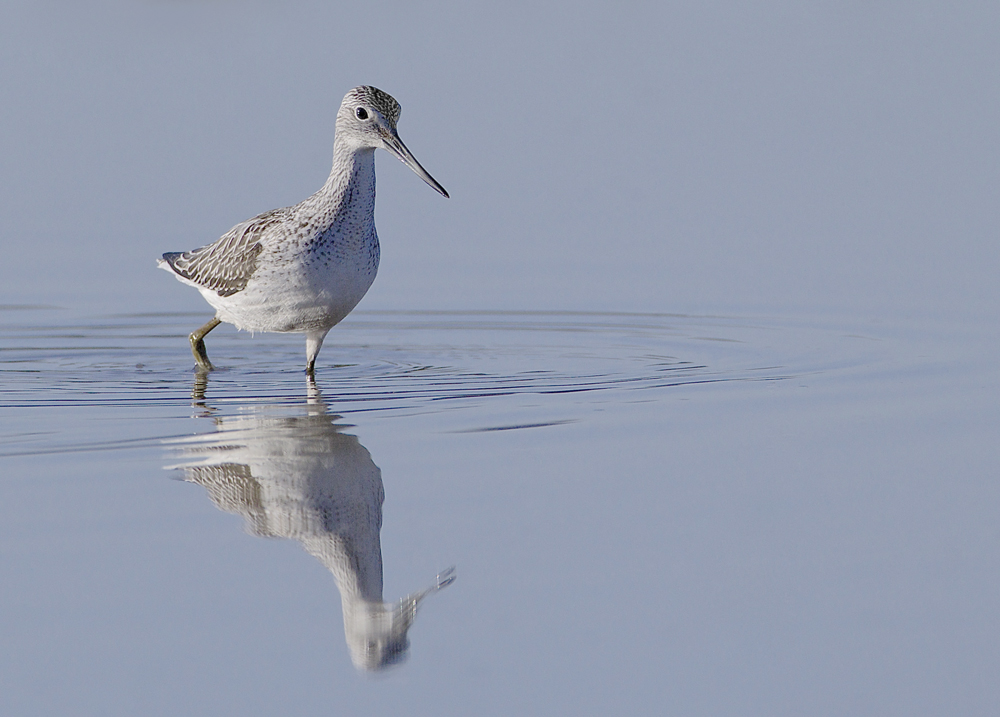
[367,118]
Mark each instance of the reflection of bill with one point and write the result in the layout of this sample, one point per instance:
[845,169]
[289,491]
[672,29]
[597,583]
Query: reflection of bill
[300,477]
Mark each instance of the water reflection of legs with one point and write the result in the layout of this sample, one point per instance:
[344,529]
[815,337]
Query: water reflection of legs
[302,477]
[199,387]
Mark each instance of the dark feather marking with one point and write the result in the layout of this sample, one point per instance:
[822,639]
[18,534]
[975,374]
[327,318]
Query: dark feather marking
[226,265]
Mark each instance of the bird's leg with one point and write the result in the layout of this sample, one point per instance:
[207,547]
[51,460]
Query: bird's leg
[197,339]
[314,341]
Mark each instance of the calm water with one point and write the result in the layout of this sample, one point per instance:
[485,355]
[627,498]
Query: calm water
[749,513]
[646,514]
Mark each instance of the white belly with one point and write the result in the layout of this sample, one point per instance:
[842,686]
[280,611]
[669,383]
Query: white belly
[295,298]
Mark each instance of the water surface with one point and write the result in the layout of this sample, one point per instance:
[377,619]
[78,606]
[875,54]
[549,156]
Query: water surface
[717,514]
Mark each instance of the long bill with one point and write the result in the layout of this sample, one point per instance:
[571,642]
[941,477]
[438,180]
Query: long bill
[395,145]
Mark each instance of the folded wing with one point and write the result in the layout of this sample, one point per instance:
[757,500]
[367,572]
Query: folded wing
[226,265]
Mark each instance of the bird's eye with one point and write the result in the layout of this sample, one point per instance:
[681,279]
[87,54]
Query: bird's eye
[361,113]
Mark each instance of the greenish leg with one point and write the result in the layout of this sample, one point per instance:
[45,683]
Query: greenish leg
[197,339]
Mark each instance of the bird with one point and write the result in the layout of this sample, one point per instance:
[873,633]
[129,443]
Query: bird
[302,269]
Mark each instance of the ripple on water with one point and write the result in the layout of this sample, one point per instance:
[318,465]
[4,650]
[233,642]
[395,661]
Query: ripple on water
[382,357]
[412,361]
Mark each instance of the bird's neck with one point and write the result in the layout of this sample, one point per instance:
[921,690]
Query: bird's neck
[351,184]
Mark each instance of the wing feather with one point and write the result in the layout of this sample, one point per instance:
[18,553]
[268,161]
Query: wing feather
[226,265]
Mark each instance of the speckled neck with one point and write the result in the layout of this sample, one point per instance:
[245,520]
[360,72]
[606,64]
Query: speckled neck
[347,199]
[351,184]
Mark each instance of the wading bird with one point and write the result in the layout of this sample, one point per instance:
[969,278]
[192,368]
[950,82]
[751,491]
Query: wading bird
[304,268]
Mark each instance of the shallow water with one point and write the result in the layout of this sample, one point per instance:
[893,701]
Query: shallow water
[646,512]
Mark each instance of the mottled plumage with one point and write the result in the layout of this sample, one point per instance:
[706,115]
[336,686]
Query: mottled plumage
[304,268]
[226,265]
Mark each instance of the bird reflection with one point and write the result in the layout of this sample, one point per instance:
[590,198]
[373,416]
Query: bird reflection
[301,477]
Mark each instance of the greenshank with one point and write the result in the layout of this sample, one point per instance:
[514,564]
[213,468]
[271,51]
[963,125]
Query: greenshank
[304,268]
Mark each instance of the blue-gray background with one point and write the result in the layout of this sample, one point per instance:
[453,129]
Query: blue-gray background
[806,525]
[657,156]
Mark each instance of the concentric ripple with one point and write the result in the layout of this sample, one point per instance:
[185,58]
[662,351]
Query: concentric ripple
[381,358]
[129,368]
